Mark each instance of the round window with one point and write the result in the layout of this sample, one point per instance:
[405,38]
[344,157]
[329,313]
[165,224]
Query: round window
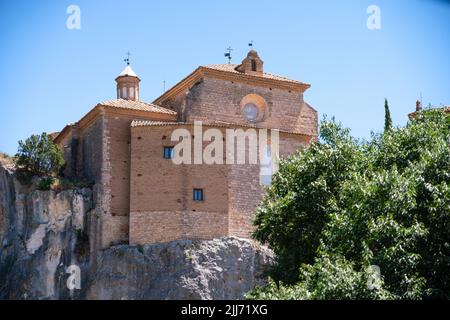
[251,112]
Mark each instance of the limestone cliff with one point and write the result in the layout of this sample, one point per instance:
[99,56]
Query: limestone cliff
[42,233]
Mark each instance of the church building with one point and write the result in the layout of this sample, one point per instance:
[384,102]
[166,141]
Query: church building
[124,146]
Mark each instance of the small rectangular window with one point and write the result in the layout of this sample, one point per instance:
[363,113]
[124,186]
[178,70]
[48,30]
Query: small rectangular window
[198,194]
[168,152]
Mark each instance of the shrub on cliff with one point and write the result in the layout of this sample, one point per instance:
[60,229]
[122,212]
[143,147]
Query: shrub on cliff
[343,205]
[5,158]
[4,155]
[38,156]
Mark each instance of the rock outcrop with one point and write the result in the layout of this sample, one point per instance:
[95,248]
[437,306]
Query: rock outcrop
[45,234]
[223,268]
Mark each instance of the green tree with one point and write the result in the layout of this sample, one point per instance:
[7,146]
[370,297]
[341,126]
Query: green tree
[387,116]
[343,205]
[39,156]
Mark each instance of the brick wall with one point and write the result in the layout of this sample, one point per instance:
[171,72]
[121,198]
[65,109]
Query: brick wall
[162,208]
[245,191]
[217,99]
[91,151]
[103,156]
[66,146]
[162,205]
[119,153]
[117,139]
[142,197]
[165,226]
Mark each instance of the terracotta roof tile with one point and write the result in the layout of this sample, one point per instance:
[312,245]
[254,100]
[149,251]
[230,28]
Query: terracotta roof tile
[136,105]
[444,108]
[53,135]
[232,68]
[146,123]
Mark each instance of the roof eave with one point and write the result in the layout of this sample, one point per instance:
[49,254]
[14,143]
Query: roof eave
[146,124]
[205,71]
[192,77]
[168,112]
[127,76]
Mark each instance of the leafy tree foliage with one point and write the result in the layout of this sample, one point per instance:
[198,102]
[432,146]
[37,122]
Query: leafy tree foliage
[343,205]
[39,156]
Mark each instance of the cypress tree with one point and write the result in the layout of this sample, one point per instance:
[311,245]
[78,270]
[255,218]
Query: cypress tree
[387,116]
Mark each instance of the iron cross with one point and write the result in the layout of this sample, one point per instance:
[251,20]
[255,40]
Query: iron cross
[228,54]
[127,60]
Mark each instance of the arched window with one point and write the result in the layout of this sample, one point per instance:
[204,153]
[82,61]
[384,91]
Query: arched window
[253,65]
[253,108]
[131,92]
[124,93]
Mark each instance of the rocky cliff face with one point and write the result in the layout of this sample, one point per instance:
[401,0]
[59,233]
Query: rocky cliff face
[44,235]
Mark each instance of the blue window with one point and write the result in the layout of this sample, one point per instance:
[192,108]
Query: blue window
[198,194]
[168,153]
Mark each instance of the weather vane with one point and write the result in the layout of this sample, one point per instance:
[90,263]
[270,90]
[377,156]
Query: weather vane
[228,54]
[127,60]
[250,44]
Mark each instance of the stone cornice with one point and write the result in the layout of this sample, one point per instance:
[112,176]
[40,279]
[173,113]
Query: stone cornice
[224,125]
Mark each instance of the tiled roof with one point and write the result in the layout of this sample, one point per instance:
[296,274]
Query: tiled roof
[444,108]
[53,135]
[148,123]
[128,72]
[136,105]
[229,70]
[232,68]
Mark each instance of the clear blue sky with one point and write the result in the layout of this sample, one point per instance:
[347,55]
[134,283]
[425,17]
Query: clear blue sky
[51,76]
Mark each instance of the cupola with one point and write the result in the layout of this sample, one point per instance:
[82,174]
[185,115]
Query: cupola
[128,84]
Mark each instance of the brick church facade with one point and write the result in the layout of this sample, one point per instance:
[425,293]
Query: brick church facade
[124,146]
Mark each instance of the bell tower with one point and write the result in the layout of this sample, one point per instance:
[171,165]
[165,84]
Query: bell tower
[128,84]
[252,64]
